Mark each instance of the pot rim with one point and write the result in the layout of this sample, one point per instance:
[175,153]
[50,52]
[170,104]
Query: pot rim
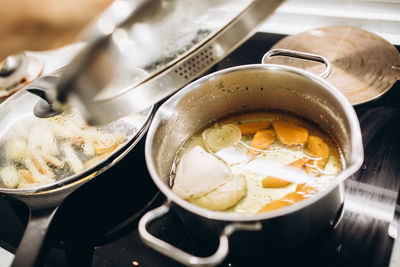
[88,173]
[354,164]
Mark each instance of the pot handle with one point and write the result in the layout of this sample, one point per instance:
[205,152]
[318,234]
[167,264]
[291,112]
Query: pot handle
[300,55]
[182,256]
[30,247]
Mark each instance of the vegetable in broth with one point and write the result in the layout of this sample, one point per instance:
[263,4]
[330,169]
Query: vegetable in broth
[262,161]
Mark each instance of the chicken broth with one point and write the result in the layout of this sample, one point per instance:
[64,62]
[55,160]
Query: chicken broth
[255,162]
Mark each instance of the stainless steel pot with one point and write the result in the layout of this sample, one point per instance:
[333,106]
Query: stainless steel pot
[250,87]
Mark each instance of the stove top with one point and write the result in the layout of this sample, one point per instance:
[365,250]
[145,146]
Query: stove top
[97,224]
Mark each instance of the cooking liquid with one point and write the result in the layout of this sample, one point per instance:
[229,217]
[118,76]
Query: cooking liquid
[256,165]
[39,151]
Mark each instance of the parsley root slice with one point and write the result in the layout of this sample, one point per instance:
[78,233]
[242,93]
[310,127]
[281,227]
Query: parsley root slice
[218,137]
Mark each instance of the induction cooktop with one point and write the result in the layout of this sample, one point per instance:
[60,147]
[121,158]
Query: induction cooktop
[97,224]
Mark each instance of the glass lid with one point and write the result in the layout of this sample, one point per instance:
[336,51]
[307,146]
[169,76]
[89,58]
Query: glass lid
[151,49]
[37,152]
[172,28]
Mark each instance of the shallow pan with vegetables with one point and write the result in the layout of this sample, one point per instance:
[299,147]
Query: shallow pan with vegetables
[43,160]
[258,149]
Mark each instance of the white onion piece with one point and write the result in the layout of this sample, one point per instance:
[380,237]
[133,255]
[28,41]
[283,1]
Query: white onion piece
[41,137]
[51,160]
[71,157]
[224,196]
[198,173]
[10,177]
[39,177]
[16,149]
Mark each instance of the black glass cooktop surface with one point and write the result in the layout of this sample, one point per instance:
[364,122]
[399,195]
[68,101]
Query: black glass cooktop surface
[97,225]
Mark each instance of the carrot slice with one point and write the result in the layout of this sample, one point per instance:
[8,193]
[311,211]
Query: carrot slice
[289,133]
[287,200]
[319,149]
[299,163]
[306,189]
[311,170]
[273,182]
[39,163]
[96,160]
[99,148]
[274,205]
[253,127]
[302,192]
[294,197]
[27,175]
[261,140]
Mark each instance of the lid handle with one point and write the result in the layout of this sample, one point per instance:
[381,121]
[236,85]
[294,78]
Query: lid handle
[45,89]
[300,55]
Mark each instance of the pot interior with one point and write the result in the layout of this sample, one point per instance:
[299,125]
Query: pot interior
[254,87]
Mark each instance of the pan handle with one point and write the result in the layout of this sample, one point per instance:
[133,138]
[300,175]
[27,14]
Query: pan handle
[300,55]
[30,247]
[182,256]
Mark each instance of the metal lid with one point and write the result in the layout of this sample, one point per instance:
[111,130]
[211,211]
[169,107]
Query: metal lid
[37,153]
[364,65]
[16,71]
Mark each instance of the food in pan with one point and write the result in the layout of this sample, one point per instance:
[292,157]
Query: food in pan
[37,151]
[256,162]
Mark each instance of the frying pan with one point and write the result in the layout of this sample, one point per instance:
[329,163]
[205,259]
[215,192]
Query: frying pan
[44,200]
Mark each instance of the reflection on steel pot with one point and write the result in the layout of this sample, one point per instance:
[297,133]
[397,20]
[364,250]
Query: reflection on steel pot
[247,88]
[44,159]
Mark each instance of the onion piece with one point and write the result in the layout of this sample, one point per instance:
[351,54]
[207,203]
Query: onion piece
[10,177]
[71,158]
[50,159]
[224,196]
[16,149]
[198,173]
[39,177]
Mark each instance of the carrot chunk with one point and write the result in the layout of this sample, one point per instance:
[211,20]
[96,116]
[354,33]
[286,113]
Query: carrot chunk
[262,140]
[306,189]
[289,133]
[253,127]
[27,175]
[100,148]
[274,205]
[319,149]
[273,182]
[39,163]
[299,163]
[96,160]
[294,197]
[302,192]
